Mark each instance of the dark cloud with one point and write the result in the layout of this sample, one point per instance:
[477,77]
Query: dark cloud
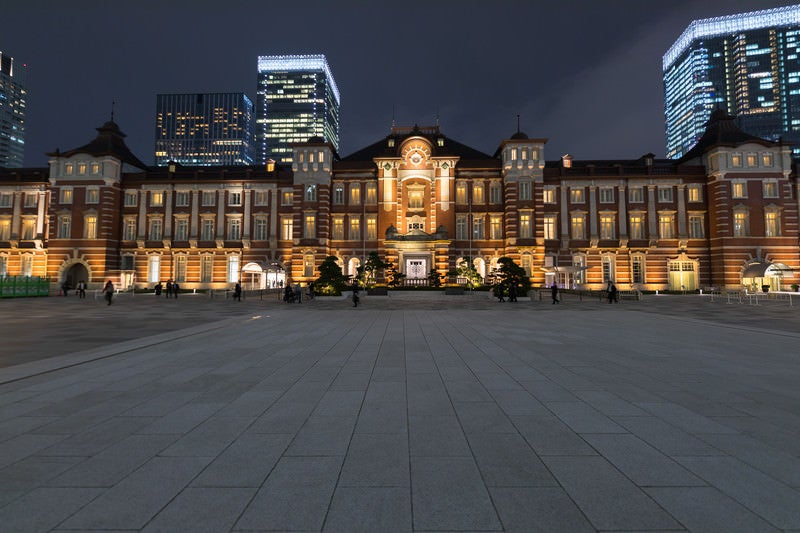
[585,74]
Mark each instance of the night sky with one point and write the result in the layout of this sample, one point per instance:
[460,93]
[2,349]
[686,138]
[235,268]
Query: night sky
[584,74]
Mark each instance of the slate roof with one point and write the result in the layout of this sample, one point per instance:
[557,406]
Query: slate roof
[449,148]
[721,129]
[109,141]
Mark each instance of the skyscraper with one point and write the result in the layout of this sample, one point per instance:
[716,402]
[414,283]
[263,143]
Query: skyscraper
[746,64]
[204,129]
[297,99]
[12,112]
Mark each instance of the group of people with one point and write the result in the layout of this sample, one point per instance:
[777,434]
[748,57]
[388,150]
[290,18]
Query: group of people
[172,289]
[80,289]
[295,294]
[611,292]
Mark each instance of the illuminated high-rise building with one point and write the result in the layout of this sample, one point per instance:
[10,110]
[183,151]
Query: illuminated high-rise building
[12,112]
[204,129]
[746,64]
[297,99]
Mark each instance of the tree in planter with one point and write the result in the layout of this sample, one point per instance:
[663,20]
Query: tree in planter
[331,281]
[434,278]
[393,276]
[465,269]
[369,270]
[509,274]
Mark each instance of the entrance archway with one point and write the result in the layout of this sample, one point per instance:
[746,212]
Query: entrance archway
[75,273]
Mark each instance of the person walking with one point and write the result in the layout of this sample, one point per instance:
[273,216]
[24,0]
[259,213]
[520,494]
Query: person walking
[65,288]
[108,290]
[356,299]
[169,288]
[612,292]
[175,289]
[237,291]
[298,292]
[157,289]
[81,289]
[554,293]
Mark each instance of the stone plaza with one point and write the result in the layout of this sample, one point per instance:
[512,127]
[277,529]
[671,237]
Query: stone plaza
[434,413]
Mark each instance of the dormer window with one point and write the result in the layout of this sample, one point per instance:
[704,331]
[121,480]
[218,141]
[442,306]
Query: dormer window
[766,159]
[440,141]
[391,143]
[69,169]
[95,168]
[751,160]
[566,161]
[513,154]
[82,168]
[736,160]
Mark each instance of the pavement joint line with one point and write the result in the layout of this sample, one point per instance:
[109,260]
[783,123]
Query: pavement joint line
[86,356]
[739,327]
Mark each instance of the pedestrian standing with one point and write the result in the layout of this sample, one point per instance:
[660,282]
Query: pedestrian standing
[81,289]
[169,288]
[108,290]
[356,299]
[65,288]
[157,289]
[298,292]
[175,289]
[554,293]
[237,291]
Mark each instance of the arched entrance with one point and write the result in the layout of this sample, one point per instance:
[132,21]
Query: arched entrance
[759,273]
[77,272]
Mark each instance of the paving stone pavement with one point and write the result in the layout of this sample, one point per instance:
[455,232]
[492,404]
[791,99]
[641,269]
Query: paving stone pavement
[408,413]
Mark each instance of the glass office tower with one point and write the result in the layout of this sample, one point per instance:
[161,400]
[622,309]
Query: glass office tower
[12,112]
[746,64]
[297,99]
[204,129]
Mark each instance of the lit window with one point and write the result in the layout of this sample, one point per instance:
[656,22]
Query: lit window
[180,268]
[771,189]
[580,262]
[736,160]
[636,195]
[372,193]
[607,223]
[741,223]
[549,194]
[309,225]
[637,268]
[751,160]
[5,229]
[66,195]
[549,226]
[233,268]
[338,228]
[513,154]
[461,193]
[90,227]
[772,223]
[665,194]
[578,227]
[525,226]
[28,228]
[81,168]
[286,228]
[372,227]
[739,189]
[766,159]
[608,268]
[92,195]
[154,268]
[234,198]
[156,199]
[606,195]
[64,227]
[209,198]
[576,195]
[696,227]
[26,265]
[131,198]
[95,168]
[525,189]
[496,227]
[355,229]
[666,226]
[695,191]
[308,265]
[477,193]
[286,197]
[355,194]
[415,199]
[69,169]
[207,229]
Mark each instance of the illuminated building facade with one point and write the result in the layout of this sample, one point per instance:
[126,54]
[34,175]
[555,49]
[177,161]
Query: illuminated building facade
[725,215]
[747,64]
[296,99]
[12,112]
[204,129]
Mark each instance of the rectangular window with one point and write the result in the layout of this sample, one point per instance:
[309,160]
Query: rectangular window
[65,195]
[608,268]
[64,227]
[415,199]
[549,194]
[5,229]
[308,265]
[637,269]
[3,265]
[739,189]
[461,193]
[26,266]
[665,194]
[606,195]
[666,225]
[372,193]
[766,159]
[181,229]
[338,194]
[477,193]
[524,189]
[338,228]
[90,227]
[496,227]
[131,198]
[576,195]
[286,228]
[129,229]
[772,224]
[636,195]
[31,199]
[696,230]
[695,191]
[95,168]
[156,227]
[81,168]
[181,198]
[92,195]
[207,268]
[741,224]
[578,227]
[311,193]
[262,198]
[234,198]
[209,198]
[580,275]
[234,229]
[607,223]
[525,229]
[496,193]
[309,225]
[260,229]
[153,269]
[478,232]
[355,194]
[69,169]
[233,268]
[156,199]
[355,229]
[207,229]
[6,198]
[637,226]
[286,197]
[372,227]
[28,229]
[771,189]
[180,268]
[461,227]
[751,160]
[549,227]
[736,160]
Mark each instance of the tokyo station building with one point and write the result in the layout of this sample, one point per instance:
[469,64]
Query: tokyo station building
[725,215]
